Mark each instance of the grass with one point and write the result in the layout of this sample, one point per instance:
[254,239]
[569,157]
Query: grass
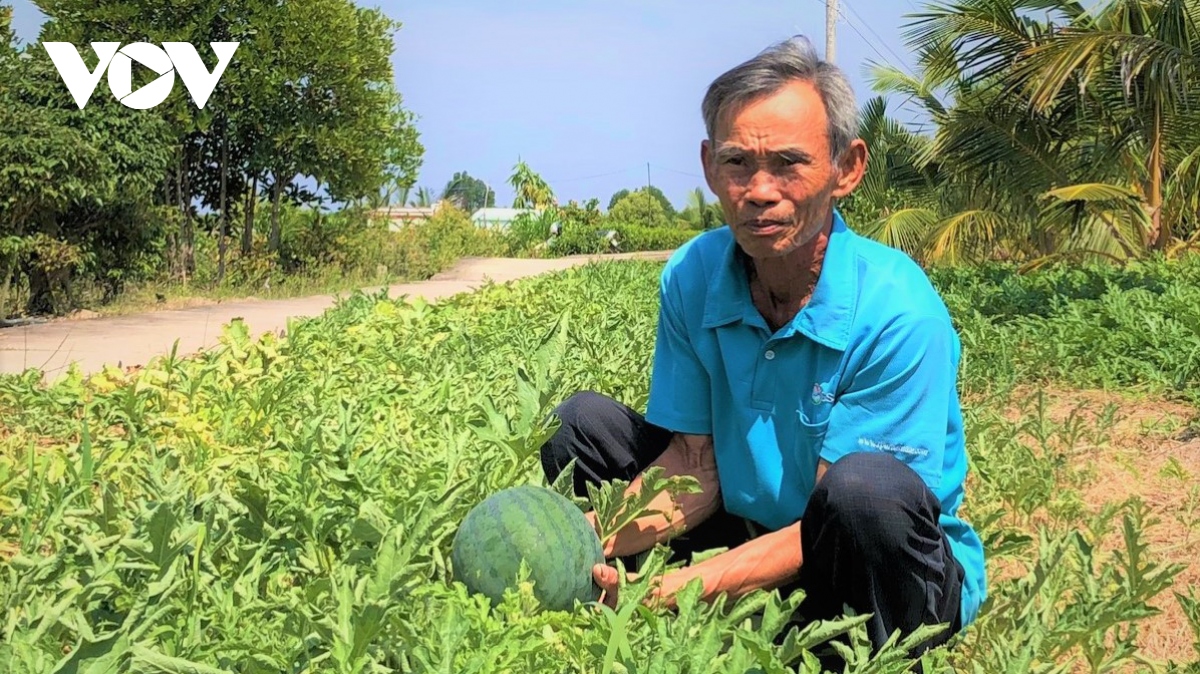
[287,504]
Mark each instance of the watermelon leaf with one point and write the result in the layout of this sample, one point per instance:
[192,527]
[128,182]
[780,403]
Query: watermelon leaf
[617,505]
[564,485]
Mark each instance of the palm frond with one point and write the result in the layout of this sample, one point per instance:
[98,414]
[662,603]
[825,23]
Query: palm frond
[887,79]
[967,234]
[907,229]
[1097,216]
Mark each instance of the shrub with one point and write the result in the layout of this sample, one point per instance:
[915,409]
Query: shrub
[634,238]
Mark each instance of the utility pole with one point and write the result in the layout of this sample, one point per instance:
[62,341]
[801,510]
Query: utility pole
[830,28]
[648,196]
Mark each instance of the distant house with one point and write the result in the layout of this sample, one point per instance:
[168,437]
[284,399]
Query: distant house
[499,218]
[399,216]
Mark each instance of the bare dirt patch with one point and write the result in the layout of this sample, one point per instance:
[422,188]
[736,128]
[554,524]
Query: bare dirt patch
[1150,453]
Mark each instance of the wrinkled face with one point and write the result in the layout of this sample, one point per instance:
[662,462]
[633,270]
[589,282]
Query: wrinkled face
[770,167]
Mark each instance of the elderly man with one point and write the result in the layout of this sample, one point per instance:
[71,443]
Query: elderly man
[805,375]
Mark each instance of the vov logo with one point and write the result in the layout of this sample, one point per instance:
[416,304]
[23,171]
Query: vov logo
[172,57]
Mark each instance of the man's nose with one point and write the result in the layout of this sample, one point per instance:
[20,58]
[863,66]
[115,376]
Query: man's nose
[762,189]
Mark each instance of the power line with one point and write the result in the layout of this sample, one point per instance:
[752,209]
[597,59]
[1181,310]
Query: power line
[831,5]
[683,173]
[877,36]
[591,177]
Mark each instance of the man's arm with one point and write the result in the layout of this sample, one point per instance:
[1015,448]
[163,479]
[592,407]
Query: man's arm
[767,562]
[898,403]
[679,400]
[686,455]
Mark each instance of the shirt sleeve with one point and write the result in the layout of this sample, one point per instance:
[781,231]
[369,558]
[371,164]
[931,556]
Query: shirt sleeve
[679,383]
[900,398]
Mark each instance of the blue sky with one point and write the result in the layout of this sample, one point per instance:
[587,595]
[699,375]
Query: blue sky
[587,92]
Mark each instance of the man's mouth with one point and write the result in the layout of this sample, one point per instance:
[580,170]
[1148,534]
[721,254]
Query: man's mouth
[764,227]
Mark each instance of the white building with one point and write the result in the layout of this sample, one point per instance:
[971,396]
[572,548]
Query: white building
[499,218]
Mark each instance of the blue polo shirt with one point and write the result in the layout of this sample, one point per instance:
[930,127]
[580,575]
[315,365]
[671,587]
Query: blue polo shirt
[870,364]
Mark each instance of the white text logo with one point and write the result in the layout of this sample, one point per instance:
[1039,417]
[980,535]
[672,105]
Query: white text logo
[172,57]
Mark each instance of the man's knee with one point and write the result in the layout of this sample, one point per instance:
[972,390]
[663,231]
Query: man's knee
[583,415]
[583,410]
[874,496]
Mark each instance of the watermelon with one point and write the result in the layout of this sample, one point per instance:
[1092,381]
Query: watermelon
[539,526]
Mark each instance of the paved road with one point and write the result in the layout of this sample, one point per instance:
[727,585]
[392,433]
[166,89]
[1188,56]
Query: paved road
[135,339]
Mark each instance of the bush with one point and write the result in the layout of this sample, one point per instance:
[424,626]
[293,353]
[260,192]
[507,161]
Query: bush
[420,250]
[635,238]
[641,208]
[349,244]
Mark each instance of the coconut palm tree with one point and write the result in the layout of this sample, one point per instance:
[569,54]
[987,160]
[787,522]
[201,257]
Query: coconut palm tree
[700,213]
[1042,131]
[1138,63]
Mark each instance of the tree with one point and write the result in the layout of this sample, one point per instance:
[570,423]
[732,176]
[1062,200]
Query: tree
[310,93]
[617,196]
[640,208]
[667,207]
[425,198]
[68,177]
[1137,62]
[700,213]
[469,193]
[1016,169]
[531,190]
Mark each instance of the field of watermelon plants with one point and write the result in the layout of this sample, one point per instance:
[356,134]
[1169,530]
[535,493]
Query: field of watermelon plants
[287,505]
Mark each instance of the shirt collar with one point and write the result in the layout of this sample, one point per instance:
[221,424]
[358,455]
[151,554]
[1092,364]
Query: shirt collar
[826,318]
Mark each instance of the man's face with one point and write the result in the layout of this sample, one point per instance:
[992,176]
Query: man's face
[770,167]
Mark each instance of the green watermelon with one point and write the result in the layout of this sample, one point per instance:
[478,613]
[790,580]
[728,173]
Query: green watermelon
[539,526]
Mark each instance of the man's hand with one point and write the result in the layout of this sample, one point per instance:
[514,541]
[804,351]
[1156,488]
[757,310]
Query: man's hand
[609,580]
[767,562]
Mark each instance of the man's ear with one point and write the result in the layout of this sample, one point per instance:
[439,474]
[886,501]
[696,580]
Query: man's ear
[706,153]
[852,166]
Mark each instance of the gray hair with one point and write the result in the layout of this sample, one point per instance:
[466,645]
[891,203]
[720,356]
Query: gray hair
[782,63]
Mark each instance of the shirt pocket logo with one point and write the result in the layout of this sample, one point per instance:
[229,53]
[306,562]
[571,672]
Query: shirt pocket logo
[814,408]
[814,419]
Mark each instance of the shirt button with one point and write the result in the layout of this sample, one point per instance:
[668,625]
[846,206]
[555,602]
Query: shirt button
[769,355]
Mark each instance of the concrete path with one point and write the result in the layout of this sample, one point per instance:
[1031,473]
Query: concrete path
[134,339]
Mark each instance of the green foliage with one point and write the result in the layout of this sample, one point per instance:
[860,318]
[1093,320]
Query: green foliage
[289,504]
[530,230]
[1130,329]
[617,196]
[421,250]
[76,186]
[1056,133]
[700,213]
[310,94]
[532,191]
[642,209]
[635,237]
[667,207]
[468,193]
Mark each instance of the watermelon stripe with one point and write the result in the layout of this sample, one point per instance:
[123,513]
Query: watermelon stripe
[562,547]
[518,530]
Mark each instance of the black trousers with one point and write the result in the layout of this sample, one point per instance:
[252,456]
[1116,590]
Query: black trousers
[870,537]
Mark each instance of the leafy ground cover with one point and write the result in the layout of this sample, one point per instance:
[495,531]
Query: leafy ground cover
[288,505]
